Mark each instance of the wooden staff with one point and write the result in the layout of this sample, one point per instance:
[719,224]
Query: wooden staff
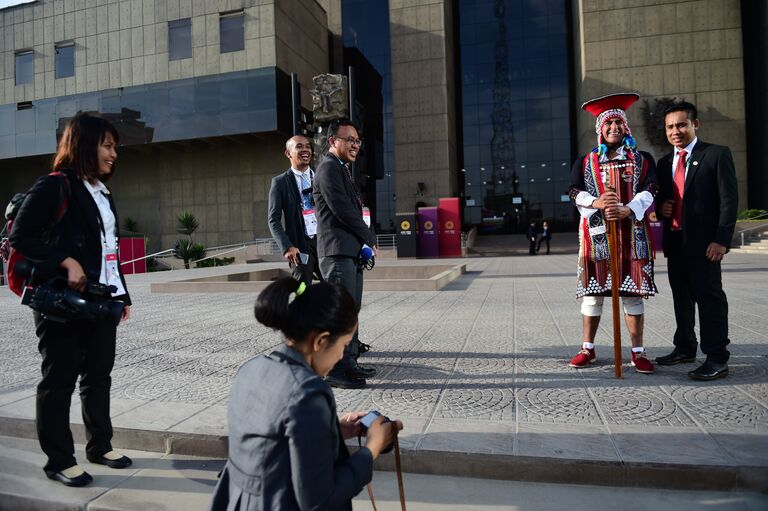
[613,249]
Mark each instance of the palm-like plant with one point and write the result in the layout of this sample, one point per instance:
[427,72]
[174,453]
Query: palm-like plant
[187,223]
[185,248]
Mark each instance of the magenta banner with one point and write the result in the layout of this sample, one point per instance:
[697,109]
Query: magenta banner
[429,242]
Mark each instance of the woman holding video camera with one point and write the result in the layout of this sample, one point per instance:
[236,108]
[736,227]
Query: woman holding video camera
[286,444]
[68,225]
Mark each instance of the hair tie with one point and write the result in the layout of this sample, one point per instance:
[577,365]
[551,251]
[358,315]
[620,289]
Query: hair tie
[295,294]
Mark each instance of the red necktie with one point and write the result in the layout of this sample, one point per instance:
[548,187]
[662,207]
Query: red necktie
[677,211]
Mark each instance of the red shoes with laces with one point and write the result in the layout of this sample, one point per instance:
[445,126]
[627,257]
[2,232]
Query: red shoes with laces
[583,358]
[586,356]
[641,363]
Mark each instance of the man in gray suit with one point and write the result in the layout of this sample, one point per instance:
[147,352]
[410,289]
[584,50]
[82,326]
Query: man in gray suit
[343,227]
[290,198]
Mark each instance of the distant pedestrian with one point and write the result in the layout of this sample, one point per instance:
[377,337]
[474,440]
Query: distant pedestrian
[286,443]
[699,199]
[614,183]
[546,235]
[533,231]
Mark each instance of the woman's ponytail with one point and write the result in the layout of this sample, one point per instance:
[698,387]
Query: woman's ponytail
[272,305]
[297,309]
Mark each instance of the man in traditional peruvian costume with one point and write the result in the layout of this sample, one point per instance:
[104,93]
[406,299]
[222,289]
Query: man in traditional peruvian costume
[614,182]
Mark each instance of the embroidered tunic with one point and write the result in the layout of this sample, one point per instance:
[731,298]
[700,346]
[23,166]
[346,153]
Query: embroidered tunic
[629,176]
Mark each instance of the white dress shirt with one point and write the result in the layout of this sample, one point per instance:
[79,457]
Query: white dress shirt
[99,193]
[688,149]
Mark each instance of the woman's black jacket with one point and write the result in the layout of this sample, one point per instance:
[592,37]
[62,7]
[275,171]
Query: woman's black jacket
[77,235]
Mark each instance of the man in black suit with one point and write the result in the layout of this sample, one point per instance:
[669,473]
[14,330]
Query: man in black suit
[532,233]
[698,200]
[343,227]
[290,197]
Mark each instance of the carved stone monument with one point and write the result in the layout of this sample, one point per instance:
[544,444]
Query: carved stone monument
[330,98]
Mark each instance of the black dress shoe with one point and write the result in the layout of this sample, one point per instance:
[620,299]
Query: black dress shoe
[121,462]
[709,371]
[358,371]
[81,480]
[675,358]
[363,348]
[344,382]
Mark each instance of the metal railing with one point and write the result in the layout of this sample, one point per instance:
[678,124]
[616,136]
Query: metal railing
[386,241]
[270,247]
[762,226]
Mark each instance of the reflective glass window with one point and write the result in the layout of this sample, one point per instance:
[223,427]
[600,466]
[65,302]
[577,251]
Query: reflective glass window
[232,31]
[65,60]
[515,95]
[180,39]
[25,67]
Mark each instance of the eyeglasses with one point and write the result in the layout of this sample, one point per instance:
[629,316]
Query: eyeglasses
[351,140]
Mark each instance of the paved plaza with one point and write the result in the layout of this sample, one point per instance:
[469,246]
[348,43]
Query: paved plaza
[477,372]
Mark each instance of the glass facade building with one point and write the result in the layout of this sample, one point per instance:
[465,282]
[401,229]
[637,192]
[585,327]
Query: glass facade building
[516,124]
[365,26]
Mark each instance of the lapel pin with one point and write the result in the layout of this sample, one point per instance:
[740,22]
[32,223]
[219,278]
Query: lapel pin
[695,163]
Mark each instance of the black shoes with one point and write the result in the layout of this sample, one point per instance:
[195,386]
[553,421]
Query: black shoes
[344,382]
[363,348]
[357,371]
[675,358]
[121,462]
[709,371]
[77,481]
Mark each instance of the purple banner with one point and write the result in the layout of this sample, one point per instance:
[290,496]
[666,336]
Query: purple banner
[429,242]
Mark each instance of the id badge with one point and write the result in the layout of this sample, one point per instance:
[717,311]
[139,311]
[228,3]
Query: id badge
[112,271]
[367,216]
[310,222]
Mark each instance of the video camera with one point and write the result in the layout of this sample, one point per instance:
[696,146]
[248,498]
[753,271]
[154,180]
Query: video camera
[57,302]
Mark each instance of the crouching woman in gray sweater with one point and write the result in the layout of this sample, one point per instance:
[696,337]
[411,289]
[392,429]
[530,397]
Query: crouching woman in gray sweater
[286,443]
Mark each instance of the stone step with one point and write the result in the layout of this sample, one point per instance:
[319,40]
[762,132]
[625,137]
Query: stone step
[749,250]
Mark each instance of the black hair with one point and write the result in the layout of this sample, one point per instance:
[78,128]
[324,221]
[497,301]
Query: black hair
[78,147]
[333,127]
[683,106]
[321,307]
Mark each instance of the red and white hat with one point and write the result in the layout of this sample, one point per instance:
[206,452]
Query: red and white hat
[608,107]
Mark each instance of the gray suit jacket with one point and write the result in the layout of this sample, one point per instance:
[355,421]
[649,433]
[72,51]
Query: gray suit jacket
[285,203]
[285,446]
[340,227]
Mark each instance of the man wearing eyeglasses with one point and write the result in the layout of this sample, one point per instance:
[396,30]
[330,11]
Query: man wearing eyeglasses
[343,227]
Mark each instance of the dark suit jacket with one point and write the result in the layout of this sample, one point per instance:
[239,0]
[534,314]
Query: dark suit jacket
[77,235]
[285,201]
[710,198]
[340,226]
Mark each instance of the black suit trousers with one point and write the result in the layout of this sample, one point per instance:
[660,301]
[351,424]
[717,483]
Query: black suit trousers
[69,350]
[346,272]
[698,281]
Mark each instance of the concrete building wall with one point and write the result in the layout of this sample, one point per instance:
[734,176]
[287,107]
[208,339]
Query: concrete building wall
[223,182]
[124,43]
[690,50]
[422,96]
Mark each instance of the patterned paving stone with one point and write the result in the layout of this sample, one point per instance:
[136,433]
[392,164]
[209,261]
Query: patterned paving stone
[488,354]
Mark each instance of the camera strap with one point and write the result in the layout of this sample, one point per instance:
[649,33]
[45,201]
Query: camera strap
[398,470]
